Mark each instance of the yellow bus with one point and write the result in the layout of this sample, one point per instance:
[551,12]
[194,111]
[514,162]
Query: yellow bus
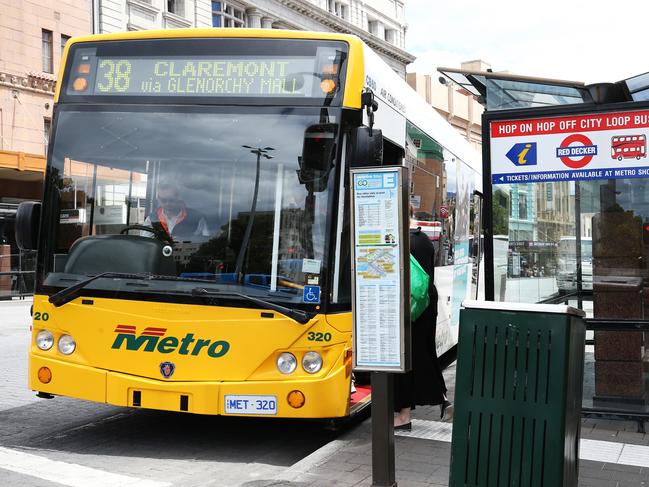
[193,245]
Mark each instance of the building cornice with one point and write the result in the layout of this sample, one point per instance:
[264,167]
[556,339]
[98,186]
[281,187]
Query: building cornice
[322,16]
[41,83]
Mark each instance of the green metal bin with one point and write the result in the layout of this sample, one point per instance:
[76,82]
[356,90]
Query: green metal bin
[517,395]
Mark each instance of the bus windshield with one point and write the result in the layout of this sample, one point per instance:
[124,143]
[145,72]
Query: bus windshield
[222,190]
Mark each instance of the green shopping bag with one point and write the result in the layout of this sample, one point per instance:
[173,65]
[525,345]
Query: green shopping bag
[419,280]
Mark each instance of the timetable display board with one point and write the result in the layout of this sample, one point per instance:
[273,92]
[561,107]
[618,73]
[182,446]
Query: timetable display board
[381,272]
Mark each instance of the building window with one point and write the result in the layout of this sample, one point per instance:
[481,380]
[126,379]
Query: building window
[339,9]
[522,206]
[373,27]
[391,36]
[176,7]
[399,10]
[224,14]
[48,66]
[64,41]
[47,127]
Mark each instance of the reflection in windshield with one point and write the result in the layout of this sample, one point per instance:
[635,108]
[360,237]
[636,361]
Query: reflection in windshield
[227,191]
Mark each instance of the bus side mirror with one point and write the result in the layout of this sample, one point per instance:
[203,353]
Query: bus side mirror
[28,217]
[367,147]
[319,147]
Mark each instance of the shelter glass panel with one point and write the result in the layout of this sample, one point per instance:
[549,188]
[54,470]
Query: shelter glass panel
[586,244]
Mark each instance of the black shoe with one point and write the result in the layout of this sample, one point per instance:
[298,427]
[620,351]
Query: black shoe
[404,427]
[446,409]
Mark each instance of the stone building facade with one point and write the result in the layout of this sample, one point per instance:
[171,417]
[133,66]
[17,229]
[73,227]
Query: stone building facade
[32,36]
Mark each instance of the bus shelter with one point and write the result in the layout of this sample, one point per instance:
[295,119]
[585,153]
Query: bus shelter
[566,185]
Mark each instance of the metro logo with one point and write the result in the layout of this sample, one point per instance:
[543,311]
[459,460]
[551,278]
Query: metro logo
[151,339]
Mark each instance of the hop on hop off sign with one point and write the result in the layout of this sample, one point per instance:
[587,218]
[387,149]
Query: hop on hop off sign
[597,146]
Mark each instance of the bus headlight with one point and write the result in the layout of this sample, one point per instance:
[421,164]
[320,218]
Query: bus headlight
[67,344]
[44,340]
[286,363]
[312,362]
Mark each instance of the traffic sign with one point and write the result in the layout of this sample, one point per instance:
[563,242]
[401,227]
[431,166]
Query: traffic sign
[443,212]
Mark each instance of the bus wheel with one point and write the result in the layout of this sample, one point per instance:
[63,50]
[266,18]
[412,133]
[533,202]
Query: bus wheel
[637,157]
[619,158]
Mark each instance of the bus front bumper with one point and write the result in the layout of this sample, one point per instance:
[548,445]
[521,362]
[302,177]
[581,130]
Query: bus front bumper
[326,397]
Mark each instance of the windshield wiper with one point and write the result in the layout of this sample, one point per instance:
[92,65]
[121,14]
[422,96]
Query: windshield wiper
[69,293]
[295,314]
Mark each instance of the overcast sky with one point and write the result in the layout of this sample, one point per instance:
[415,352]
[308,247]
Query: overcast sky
[575,40]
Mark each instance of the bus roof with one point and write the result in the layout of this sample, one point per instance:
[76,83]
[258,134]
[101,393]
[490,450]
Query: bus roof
[217,32]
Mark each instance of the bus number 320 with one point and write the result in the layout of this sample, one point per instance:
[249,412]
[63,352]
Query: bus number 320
[266,405]
[114,76]
[318,337]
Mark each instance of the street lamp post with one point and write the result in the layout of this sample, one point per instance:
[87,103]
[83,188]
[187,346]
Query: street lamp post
[260,152]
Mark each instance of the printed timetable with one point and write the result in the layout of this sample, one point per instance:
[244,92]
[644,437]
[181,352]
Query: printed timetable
[379,281]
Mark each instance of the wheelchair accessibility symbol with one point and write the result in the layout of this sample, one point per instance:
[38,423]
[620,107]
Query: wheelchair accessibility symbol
[311,294]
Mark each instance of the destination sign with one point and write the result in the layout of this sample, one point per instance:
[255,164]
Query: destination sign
[203,76]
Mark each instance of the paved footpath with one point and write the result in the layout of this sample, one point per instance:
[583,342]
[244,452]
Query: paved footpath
[14,336]
[612,454]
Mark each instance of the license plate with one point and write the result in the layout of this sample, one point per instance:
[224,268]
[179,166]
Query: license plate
[247,404]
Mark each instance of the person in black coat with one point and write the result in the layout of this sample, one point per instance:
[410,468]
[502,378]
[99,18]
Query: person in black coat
[424,384]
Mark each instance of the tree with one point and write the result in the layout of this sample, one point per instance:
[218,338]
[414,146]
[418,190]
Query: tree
[500,213]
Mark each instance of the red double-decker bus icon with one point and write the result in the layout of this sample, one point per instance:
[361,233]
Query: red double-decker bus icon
[628,147]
